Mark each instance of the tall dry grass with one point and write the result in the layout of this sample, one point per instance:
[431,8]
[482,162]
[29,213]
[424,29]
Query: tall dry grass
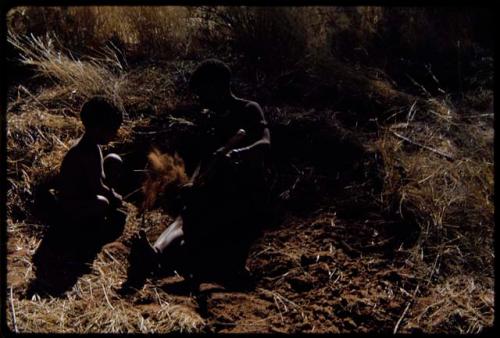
[86,77]
[430,45]
[266,37]
[154,31]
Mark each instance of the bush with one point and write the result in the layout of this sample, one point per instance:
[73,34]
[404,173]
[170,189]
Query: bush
[271,39]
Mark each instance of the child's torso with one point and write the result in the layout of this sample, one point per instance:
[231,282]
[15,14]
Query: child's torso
[82,164]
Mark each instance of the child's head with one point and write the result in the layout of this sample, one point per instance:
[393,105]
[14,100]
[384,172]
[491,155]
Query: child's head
[211,81]
[101,118]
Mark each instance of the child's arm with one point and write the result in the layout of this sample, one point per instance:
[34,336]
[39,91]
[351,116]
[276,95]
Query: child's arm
[94,175]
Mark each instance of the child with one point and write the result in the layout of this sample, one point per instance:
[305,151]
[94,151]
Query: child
[84,208]
[88,203]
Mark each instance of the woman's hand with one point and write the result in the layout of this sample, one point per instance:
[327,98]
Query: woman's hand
[236,155]
[220,152]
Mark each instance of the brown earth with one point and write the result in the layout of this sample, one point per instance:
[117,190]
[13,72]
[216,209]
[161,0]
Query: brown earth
[316,274]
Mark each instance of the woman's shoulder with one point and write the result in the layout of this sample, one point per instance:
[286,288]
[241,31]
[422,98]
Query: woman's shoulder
[251,106]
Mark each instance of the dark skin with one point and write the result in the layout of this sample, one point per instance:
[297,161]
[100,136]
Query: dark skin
[82,181]
[219,100]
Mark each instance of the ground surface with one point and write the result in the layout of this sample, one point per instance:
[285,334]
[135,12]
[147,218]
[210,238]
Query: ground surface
[308,280]
[316,274]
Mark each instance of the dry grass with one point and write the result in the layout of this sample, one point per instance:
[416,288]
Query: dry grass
[460,302]
[36,143]
[93,305]
[446,186]
[165,173]
[162,31]
[84,77]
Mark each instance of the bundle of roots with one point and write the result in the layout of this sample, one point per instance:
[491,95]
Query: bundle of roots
[165,175]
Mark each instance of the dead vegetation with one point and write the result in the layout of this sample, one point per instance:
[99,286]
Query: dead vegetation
[413,252]
[165,173]
[93,305]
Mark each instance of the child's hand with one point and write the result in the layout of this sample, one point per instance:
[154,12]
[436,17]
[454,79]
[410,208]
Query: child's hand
[188,185]
[116,199]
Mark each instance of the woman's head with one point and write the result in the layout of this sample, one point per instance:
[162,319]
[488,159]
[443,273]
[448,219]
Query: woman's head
[211,81]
